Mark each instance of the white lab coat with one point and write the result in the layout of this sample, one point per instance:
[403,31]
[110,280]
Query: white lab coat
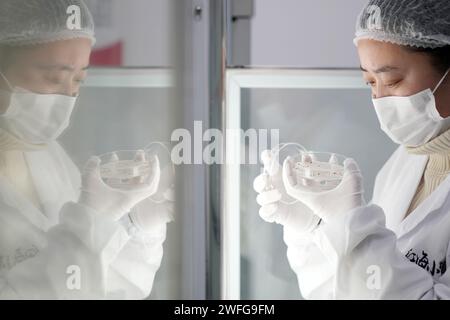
[372,252]
[67,251]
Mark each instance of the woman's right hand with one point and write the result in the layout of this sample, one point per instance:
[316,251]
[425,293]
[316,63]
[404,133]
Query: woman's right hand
[115,202]
[276,205]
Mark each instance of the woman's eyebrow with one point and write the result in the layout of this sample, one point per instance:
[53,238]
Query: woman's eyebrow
[382,69]
[60,67]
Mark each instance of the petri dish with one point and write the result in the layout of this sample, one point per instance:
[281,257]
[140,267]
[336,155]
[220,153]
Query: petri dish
[126,169]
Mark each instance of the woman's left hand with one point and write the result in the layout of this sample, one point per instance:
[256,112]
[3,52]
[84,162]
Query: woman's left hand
[346,196]
[159,209]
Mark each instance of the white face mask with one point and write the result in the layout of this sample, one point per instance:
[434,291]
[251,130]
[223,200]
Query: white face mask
[36,118]
[411,121]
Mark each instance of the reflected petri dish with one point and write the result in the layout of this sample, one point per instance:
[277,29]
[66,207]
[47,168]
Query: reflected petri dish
[126,169]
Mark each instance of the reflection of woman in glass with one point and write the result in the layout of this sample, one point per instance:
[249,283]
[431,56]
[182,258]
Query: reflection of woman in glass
[55,241]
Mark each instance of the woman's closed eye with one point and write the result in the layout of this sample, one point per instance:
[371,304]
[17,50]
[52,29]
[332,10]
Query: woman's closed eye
[55,80]
[393,84]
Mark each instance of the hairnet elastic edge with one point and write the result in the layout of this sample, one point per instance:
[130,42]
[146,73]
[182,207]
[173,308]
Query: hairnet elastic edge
[380,36]
[38,41]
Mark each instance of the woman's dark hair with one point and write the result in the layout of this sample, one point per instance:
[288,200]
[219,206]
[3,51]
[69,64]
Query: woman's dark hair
[440,57]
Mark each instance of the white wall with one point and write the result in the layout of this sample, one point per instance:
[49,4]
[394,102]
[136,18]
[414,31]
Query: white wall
[145,27]
[304,33]
[147,32]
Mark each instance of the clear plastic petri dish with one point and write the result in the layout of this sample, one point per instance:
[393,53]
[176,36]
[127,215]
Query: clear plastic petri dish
[126,169]
[320,171]
[167,179]
[273,163]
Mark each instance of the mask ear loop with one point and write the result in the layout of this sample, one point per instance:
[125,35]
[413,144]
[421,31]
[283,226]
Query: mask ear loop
[164,146]
[7,81]
[442,80]
[274,157]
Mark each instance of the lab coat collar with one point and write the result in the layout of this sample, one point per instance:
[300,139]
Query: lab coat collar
[399,186]
[428,208]
[53,185]
[24,206]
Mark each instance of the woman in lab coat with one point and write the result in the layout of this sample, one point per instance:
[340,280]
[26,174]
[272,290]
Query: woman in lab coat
[62,235]
[398,245]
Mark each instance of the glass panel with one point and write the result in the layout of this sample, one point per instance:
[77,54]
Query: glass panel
[322,119]
[74,226]
[121,109]
[127,110]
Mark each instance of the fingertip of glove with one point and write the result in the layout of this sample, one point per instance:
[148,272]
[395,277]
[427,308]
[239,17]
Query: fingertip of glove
[268,197]
[259,183]
[286,174]
[140,155]
[286,164]
[351,165]
[266,155]
[92,163]
[266,212]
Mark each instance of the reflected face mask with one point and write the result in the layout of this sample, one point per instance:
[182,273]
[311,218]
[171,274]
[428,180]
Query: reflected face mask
[413,120]
[36,118]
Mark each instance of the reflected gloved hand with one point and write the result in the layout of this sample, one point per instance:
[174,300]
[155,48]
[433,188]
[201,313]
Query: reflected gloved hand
[347,195]
[276,205]
[151,213]
[115,202]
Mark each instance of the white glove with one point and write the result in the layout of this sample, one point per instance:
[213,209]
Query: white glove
[276,205]
[114,202]
[151,213]
[326,204]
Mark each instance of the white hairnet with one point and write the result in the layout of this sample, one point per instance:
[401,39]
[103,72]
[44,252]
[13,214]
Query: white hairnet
[26,22]
[417,23]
